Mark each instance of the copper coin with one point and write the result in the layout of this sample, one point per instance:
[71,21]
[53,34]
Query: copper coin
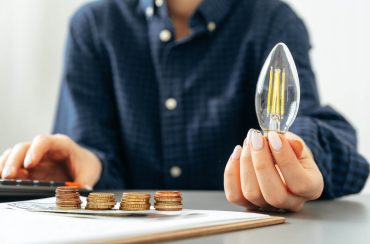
[66,188]
[167,194]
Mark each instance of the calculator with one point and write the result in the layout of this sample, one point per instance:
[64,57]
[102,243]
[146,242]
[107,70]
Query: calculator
[16,190]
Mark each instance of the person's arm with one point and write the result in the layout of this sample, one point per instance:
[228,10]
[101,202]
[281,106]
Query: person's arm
[87,110]
[88,151]
[330,137]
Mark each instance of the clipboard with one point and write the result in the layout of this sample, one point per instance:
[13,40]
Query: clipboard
[202,231]
[81,226]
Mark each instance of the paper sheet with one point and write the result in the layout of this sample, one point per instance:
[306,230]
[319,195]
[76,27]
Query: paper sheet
[40,224]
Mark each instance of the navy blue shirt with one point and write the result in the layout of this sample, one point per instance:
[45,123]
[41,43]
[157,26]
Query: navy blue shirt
[167,113]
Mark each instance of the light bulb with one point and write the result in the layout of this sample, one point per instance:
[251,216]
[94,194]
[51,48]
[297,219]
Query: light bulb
[277,91]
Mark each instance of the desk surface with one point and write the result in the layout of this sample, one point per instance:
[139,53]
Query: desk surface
[346,220]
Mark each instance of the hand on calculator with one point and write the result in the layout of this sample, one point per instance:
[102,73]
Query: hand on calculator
[51,158]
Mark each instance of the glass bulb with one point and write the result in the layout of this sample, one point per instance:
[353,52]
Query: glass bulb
[277,91]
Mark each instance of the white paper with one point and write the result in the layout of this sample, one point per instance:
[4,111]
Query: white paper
[20,226]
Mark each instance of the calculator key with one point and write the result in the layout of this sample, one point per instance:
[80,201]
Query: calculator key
[41,183]
[56,183]
[9,182]
[25,182]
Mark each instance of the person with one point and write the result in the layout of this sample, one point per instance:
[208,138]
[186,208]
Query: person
[156,94]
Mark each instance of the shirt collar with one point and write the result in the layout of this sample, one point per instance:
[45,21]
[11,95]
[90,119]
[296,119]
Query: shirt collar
[215,10]
[211,10]
[144,4]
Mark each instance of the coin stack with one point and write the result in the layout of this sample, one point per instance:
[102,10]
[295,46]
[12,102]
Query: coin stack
[168,201]
[67,197]
[100,201]
[135,201]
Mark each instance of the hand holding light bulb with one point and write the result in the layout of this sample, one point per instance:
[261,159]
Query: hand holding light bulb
[275,170]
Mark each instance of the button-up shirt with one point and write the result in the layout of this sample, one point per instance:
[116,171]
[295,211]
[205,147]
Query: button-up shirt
[164,113]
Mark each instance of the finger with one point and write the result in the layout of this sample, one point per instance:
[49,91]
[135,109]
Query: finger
[15,160]
[271,185]
[41,145]
[296,177]
[232,185]
[297,147]
[3,159]
[296,143]
[248,179]
[23,174]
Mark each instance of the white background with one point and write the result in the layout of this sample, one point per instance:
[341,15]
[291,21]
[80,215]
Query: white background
[32,35]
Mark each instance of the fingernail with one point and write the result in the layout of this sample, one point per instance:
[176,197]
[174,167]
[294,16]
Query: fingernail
[236,153]
[257,140]
[7,171]
[248,138]
[27,161]
[274,140]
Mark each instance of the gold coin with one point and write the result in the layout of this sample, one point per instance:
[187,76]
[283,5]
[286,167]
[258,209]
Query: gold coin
[101,200]
[58,195]
[135,196]
[134,208]
[99,207]
[136,193]
[101,204]
[168,199]
[68,207]
[69,202]
[168,208]
[136,200]
[93,208]
[134,205]
[101,195]
[168,203]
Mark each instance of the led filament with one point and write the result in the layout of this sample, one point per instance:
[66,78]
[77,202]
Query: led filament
[277,92]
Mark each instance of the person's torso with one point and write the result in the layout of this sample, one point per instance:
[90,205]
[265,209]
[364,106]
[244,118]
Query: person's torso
[183,105]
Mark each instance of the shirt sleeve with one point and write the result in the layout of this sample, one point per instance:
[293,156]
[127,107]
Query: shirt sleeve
[87,111]
[328,134]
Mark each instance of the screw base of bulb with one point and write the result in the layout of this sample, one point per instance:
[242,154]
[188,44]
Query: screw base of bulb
[265,132]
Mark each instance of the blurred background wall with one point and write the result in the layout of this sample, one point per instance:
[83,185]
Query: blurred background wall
[32,35]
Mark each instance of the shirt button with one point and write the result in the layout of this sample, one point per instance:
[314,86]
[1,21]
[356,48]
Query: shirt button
[175,171]
[158,3]
[171,103]
[165,35]
[211,26]
[149,11]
